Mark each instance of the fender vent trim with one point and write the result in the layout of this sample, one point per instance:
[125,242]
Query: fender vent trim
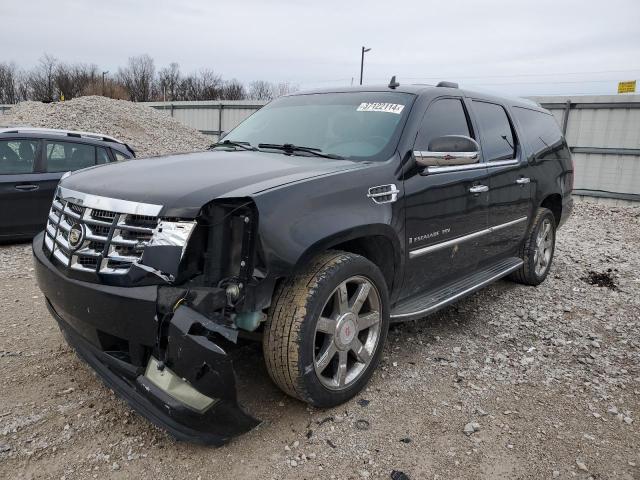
[384,193]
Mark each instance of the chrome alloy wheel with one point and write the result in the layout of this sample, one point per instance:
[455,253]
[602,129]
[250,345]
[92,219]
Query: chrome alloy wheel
[544,248]
[347,333]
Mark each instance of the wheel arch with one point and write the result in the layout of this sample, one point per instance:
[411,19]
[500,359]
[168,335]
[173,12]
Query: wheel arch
[553,202]
[377,243]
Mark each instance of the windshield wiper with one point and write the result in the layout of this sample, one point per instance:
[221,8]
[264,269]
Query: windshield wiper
[229,143]
[290,148]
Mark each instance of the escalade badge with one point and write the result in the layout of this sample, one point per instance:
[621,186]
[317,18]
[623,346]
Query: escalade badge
[76,236]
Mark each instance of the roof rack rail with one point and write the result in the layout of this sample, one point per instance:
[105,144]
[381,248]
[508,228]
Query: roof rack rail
[447,84]
[68,133]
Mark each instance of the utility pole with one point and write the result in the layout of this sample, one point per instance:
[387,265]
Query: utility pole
[364,50]
[103,74]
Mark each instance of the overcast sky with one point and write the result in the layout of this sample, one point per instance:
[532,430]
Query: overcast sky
[517,47]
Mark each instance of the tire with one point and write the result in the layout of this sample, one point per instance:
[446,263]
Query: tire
[533,271]
[297,343]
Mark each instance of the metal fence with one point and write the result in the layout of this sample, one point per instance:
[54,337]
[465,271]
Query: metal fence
[210,117]
[603,133]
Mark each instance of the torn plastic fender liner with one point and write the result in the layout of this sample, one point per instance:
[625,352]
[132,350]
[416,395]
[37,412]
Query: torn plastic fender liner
[192,355]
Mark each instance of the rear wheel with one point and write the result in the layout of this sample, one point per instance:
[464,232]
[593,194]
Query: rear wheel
[537,250]
[326,329]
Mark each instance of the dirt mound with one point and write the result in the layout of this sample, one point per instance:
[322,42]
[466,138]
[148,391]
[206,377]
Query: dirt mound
[149,132]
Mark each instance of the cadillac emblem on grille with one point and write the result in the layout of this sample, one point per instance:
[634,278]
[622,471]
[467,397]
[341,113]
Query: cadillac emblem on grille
[76,236]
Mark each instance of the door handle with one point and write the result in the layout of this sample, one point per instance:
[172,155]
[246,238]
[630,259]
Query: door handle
[27,188]
[523,181]
[479,189]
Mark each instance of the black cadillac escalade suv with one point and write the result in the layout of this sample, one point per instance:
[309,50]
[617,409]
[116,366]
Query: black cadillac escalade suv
[314,224]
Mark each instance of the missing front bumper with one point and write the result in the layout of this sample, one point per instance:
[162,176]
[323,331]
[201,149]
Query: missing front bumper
[113,329]
[216,425]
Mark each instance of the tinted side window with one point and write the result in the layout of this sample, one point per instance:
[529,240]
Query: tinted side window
[119,156]
[497,136]
[17,156]
[65,156]
[444,117]
[540,129]
[102,156]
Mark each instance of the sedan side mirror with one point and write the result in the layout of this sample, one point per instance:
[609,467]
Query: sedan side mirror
[449,150]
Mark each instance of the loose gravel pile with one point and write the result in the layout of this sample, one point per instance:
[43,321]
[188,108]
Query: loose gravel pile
[513,382]
[149,132]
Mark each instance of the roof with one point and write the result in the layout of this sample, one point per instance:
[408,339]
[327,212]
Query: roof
[423,89]
[66,133]
[55,131]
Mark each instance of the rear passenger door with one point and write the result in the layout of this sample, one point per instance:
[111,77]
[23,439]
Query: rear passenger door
[510,195]
[61,157]
[19,185]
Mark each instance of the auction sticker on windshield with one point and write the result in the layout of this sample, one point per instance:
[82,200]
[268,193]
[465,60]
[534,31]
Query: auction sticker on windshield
[381,107]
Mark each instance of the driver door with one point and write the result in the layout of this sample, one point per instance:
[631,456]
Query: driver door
[444,205]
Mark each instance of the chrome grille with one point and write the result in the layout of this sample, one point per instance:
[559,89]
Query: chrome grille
[113,239]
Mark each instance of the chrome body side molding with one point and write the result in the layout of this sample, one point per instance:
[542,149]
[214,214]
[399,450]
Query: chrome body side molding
[455,241]
[473,166]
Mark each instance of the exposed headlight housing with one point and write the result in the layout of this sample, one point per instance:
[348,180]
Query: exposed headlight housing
[165,249]
[174,234]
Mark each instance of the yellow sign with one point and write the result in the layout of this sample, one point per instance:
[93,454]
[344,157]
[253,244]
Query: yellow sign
[627,87]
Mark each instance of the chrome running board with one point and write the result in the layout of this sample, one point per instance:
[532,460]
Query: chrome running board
[424,304]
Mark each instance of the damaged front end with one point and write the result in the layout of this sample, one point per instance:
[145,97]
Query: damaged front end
[159,332]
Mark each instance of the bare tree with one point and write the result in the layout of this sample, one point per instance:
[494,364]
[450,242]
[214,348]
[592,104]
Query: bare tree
[9,83]
[261,90]
[137,78]
[169,82]
[205,85]
[41,80]
[51,80]
[112,89]
[284,88]
[72,80]
[233,90]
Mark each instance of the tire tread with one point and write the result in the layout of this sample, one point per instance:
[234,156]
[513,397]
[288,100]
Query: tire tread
[282,335]
[526,274]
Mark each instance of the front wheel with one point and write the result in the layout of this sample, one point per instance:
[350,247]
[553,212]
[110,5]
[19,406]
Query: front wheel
[326,329]
[538,249]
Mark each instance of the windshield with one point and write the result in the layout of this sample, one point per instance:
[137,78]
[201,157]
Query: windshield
[359,126]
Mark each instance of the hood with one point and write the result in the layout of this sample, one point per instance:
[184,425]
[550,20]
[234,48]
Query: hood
[182,184]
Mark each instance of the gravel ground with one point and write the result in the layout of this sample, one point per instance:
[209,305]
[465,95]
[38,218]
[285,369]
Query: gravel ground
[513,382]
[148,131]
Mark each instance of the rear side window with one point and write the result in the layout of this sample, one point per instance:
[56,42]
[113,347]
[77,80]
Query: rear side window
[444,117]
[498,141]
[539,128]
[65,156]
[102,156]
[17,156]
[119,156]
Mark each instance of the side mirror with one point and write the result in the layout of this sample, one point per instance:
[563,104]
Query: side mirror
[449,150]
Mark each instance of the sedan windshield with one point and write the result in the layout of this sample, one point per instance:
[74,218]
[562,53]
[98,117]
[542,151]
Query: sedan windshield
[358,126]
